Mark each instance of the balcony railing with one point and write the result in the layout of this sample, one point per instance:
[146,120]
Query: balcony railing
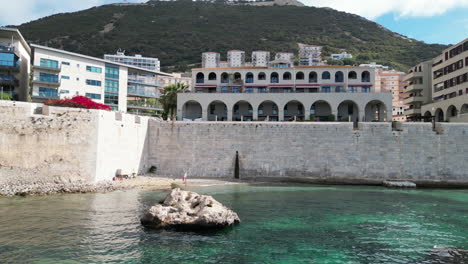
[8,80]
[144,92]
[7,49]
[145,81]
[49,81]
[48,68]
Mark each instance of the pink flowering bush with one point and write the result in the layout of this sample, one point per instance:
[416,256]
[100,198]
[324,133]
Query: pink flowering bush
[78,102]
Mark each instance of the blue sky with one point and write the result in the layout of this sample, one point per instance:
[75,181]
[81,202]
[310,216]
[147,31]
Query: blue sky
[432,21]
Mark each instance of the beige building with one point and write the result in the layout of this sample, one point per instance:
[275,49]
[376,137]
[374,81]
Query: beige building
[439,88]
[176,77]
[393,82]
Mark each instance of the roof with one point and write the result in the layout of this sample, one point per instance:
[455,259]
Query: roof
[4,31]
[98,59]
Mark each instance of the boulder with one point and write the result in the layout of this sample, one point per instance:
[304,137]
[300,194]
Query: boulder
[189,211]
[399,184]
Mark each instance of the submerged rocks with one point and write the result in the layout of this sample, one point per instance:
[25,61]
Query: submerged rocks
[399,184]
[189,210]
[448,255]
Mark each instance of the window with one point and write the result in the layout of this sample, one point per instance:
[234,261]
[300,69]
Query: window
[274,78]
[262,76]
[339,77]
[112,72]
[111,99]
[326,89]
[7,59]
[77,78]
[47,77]
[352,75]
[366,89]
[224,78]
[352,90]
[111,86]
[287,76]
[312,77]
[48,92]
[64,91]
[93,82]
[49,63]
[93,96]
[249,78]
[212,76]
[65,63]
[94,69]
[366,76]
[300,76]
[65,77]
[200,78]
[249,90]
[326,76]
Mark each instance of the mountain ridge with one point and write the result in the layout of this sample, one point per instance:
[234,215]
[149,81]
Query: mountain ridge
[178,32]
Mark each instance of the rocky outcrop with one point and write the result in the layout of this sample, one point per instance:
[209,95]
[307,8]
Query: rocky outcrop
[399,184]
[189,211]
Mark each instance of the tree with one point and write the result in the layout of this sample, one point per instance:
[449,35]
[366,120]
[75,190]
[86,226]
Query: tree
[169,98]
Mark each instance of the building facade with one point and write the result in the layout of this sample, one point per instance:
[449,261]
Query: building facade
[152,64]
[211,59]
[174,79]
[15,61]
[260,58]
[236,58]
[310,55]
[393,82]
[125,88]
[449,85]
[419,91]
[341,56]
[284,94]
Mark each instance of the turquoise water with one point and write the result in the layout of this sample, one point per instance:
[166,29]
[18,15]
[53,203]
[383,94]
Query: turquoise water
[301,224]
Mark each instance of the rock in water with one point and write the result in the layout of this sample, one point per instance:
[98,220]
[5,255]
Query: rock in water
[189,210]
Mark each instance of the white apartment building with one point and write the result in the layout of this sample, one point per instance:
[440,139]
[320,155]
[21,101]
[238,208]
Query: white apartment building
[310,55]
[63,74]
[260,58]
[15,61]
[375,66]
[284,57]
[236,58]
[152,64]
[210,59]
[341,56]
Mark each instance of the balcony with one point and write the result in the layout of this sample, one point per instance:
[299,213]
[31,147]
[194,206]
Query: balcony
[144,81]
[414,87]
[414,99]
[9,49]
[46,81]
[48,68]
[143,92]
[413,75]
[9,66]
[8,80]
[413,111]
[144,104]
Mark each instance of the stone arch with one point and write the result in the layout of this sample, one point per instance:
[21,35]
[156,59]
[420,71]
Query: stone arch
[321,111]
[339,77]
[375,111]
[249,77]
[200,77]
[300,76]
[268,110]
[192,110]
[237,76]
[224,77]
[287,76]
[261,76]
[274,77]
[313,77]
[294,111]
[352,75]
[217,111]
[439,115]
[242,111]
[365,76]
[326,75]
[464,109]
[348,110]
[452,111]
[212,76]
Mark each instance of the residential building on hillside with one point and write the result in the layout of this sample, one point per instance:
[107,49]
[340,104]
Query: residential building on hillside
[419,90]
[310,55]
[279,93]
[211,59]
[152,64]
[236,58]
[449,85]
[341,56]
[393,81]
[15,61]
[375,66]
[63,74]
[260,58]
[174,79]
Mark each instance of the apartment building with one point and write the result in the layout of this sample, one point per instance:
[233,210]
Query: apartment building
[15,61]
[419,90]
[211,59]
[449,85]
[174,79]
[260,58]
[394,82]
[236,58]
[341,56]
[63,74]
[279,93]
[310,55]
[139,61]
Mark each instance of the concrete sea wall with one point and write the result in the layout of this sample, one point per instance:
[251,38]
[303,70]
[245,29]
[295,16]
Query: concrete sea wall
[41,146]
[316,152]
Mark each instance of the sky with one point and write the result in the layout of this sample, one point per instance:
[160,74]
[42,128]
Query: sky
[432,21]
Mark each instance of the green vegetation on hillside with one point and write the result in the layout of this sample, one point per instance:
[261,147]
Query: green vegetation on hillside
[178,32]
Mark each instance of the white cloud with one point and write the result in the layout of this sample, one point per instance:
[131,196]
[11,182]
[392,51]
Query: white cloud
[15,12]
[405,8]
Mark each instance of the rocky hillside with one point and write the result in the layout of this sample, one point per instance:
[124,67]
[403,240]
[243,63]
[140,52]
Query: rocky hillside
[177,32]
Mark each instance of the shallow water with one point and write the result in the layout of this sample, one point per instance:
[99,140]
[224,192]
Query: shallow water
[300,224]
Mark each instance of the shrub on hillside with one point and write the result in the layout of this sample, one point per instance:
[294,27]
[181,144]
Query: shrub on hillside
[78,102]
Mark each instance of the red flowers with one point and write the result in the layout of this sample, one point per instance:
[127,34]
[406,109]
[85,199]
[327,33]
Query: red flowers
[78,102]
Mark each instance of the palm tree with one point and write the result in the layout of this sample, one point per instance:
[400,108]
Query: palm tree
[169,98]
